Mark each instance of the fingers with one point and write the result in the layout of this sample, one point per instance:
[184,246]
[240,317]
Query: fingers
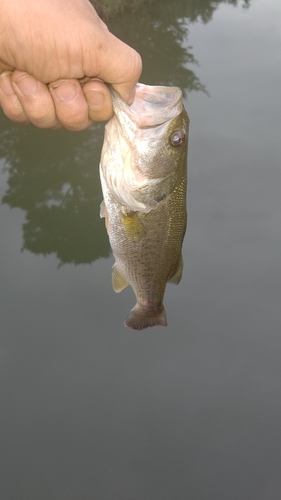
[35,99]
[79,104]
[99,100]
[65,103]
[70,104]
[9,100]
[26,100]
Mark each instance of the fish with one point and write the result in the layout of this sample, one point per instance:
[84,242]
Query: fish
[143,173]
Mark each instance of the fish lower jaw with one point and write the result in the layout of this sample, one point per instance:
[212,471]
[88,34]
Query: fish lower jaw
[146,315]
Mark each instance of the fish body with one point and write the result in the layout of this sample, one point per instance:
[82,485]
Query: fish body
[143,174]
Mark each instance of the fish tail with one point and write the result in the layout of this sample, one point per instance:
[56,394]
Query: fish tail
[142,317]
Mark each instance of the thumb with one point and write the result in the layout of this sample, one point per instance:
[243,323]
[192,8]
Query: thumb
[120,65]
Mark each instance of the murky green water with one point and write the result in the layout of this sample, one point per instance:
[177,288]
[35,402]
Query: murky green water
[89,409]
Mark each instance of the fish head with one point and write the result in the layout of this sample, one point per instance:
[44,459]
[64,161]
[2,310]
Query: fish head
[145,143]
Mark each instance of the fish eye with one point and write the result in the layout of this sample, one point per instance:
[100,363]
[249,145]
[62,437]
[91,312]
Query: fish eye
[177,138]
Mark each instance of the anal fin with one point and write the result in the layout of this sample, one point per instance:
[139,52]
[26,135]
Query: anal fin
[118,280]
[178,274]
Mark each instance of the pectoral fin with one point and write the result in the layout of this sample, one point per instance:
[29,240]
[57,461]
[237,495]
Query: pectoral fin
[103,213]
[118,281]
[133,225]
[178,274]
[102,209]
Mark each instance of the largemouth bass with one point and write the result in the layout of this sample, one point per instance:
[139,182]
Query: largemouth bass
[143,174]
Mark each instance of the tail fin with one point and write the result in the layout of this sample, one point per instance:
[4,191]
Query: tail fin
[142,317]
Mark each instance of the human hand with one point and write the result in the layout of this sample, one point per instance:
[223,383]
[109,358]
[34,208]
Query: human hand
[54,57]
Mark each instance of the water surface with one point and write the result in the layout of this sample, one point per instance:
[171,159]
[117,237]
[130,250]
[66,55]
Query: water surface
[89,409]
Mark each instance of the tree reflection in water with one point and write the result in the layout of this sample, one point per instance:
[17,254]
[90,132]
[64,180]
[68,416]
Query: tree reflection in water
[53,175]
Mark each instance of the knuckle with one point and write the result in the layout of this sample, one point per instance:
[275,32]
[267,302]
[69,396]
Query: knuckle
[44,121]
[136,65]
[78,125]
[40,114]
[100,116]
[73,117]
[14,111]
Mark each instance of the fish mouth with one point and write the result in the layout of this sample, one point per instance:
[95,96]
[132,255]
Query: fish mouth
[152,105]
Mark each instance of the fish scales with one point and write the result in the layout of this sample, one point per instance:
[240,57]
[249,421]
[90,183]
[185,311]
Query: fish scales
[144,177]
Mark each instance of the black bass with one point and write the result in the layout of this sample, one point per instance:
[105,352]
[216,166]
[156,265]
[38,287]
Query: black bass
[143,174]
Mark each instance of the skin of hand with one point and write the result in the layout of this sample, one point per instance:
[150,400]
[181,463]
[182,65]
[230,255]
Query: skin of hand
[55,56]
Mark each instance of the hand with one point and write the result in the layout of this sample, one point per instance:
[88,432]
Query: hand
[54,57]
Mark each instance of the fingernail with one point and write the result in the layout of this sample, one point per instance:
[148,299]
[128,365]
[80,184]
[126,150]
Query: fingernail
[64,91]
[95,99]
[27,85]
[5,73]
